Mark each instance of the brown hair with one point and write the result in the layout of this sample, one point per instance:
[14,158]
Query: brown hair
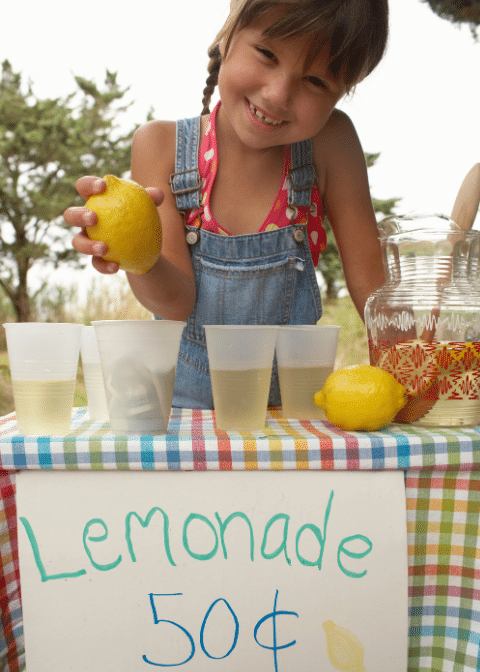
[355,30]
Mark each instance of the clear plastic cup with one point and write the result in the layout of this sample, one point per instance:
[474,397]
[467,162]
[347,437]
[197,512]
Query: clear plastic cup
[240,359]
[305,357]
[43,359]
[93,376]
[139,359]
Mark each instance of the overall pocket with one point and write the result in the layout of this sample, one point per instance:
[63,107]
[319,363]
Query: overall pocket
[243,294]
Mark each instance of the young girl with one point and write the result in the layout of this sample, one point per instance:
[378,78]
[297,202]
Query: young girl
[241,190]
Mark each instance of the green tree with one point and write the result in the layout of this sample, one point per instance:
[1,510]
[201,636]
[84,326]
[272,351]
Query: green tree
[329,263]
[458,11]
[45,145]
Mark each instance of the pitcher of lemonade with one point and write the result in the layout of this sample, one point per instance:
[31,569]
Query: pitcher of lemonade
[423,324]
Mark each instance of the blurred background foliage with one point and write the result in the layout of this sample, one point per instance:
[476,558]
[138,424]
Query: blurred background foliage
[458,11]
[45,146]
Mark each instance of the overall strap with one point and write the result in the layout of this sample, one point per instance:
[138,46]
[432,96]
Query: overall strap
[301,180]
[186,184]
[185,181]
[301,176]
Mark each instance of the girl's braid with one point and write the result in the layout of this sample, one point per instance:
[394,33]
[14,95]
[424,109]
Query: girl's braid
[212,79]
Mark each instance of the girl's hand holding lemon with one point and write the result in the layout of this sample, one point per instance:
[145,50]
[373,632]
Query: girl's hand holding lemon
[126,229]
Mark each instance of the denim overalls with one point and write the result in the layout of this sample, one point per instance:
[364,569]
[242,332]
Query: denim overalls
[258,278]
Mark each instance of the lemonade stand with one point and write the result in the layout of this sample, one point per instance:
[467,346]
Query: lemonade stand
[442,506]
[298,546]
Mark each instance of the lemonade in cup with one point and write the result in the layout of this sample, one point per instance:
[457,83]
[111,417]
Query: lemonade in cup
[241,360]
[306,357]
[43,362]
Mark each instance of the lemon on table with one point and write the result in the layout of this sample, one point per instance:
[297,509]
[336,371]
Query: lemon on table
[128,223]
[361,397]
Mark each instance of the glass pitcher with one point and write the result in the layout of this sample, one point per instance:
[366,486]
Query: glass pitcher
[423,324]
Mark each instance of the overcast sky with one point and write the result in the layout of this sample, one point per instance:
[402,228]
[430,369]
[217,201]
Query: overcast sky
[420,109]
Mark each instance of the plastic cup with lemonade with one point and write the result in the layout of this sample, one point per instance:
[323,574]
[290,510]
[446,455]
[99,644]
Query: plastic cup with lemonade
[43,359]
[240,359]
[306,357]
[139,359]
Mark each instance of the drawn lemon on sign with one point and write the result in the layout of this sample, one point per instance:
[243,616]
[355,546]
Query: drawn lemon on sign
[345,650]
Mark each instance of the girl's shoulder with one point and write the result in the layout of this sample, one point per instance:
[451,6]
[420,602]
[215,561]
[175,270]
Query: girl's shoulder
[154,133]
[155,136]
[338,131]
[336,147]
[153,152]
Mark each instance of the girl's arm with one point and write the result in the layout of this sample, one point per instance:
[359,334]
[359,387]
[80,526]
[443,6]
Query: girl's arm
[344,185]
[168,289]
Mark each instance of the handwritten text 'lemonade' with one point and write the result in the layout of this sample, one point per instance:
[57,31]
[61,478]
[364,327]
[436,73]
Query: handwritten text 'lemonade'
[95,532]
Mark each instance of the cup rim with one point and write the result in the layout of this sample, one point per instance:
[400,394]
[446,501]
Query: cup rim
[43,324]
[307,327]
[241,326]
[98,322]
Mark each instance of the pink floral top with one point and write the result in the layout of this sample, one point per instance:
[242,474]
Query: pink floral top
[276,218]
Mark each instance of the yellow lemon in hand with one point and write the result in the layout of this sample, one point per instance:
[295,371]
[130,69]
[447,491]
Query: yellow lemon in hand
[128,223]
[361,397]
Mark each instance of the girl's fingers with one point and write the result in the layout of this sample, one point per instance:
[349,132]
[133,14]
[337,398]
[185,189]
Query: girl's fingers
[157,194]
[96,249]
[88,185]
[76,216]
[83,244]
[105,267]
[79,216]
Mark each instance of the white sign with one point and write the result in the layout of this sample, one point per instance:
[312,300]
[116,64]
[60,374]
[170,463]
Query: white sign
[213,571]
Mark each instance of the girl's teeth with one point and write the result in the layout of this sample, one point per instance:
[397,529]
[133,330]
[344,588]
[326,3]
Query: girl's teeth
[266,120]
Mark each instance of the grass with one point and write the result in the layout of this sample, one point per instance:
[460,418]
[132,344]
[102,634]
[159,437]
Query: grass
[6,400]
[104,302]
[80,395]
[352,339]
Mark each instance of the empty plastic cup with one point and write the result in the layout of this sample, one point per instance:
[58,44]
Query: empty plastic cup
[139,359]
[240,359]
[305,357]
[93,376]
[43,359]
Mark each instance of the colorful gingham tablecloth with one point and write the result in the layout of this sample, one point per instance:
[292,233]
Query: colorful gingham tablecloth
[442,477]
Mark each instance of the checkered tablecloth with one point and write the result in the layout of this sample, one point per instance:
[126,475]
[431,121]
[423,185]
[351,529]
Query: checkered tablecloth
[442,476]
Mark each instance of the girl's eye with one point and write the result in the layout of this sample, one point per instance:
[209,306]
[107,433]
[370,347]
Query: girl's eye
[267,53]
[316,81]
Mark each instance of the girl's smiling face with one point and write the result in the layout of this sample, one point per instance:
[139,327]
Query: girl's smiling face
[268,96]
